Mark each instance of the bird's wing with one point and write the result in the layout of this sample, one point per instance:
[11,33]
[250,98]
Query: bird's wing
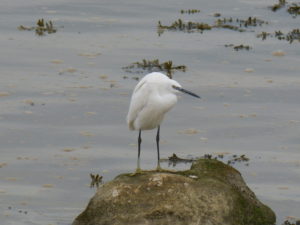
[138,102]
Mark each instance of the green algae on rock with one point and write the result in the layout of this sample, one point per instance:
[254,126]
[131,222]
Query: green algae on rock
[211,192]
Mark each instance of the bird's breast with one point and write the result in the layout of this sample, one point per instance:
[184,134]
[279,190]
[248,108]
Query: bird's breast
[164,102]
[153,114]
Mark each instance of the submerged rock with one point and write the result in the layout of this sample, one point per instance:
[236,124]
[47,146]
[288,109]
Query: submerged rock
[210,193]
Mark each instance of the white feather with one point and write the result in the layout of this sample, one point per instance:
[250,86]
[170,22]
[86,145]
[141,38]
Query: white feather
[152,97]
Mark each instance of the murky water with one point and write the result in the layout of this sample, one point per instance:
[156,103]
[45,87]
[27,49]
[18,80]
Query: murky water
[64,100]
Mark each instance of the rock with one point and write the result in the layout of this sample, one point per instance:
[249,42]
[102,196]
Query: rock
[210,193]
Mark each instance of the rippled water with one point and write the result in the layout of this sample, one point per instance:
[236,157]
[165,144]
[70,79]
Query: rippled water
[64,100]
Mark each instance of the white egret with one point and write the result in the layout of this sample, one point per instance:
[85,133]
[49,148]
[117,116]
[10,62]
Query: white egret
[152,97]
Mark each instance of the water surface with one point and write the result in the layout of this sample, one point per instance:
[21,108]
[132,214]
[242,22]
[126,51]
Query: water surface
[64,100]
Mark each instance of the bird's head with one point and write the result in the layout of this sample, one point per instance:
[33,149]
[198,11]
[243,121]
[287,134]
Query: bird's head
[177,88]
[163,84]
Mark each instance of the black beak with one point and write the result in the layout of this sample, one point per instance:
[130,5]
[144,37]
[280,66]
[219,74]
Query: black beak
[186,91]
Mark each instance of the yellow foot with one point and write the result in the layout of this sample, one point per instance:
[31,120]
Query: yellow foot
[137,171]
[159,169]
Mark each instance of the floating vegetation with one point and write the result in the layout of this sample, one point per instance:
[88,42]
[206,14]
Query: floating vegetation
[217,14]
[174,160]
[287,222]
[231,159]
[190,11]
[224,157]
[208,156]
[239,23]
[239,47]
[223,23]
[96,180]
[154,65]
[236,158]
[263,35]
[251,21]
[291,36]
[293,8]
[279,5]
[179,25]
[41,28]
[226,23]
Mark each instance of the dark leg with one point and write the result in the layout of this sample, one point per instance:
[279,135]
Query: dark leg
[139,150]
[157,145]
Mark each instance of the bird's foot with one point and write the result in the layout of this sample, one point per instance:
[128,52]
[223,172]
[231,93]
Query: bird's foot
[137,171]
[159,169]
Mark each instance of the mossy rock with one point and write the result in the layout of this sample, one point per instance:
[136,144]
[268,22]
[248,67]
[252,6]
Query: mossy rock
[210,193]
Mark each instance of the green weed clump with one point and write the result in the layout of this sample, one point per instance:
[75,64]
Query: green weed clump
[179,25]
[240,25]
[190,11]
[41,27]
[239,47]
[154,65]
[293,8]
[291,36]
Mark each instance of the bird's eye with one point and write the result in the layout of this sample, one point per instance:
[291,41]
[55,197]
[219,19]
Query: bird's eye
[175,87]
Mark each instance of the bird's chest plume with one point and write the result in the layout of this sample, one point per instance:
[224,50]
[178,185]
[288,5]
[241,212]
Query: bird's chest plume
[162,102]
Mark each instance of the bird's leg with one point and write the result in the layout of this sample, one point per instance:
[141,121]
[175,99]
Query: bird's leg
[157,145]
[138,169]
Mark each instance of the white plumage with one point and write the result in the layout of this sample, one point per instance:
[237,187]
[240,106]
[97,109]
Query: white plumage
[152,97]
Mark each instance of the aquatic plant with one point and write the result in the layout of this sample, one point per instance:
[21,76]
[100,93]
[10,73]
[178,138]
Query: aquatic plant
[291,36]
[41,27]
[293,8]
[230,27]
[279,5]
[229,159]
[236,158]
[263,35]
[225,23]
[174,160]
[96,180]
[154,65]
[251,21]
[237,24]
[239,47]
[179,25]
[189,11]
[288,222]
